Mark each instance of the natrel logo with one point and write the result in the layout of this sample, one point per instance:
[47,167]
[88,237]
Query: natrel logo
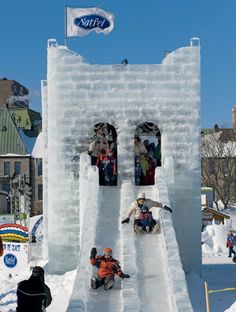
[10,260]
[92,21]
[81,21]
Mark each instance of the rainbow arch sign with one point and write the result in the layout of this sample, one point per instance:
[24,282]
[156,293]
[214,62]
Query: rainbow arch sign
[13,232]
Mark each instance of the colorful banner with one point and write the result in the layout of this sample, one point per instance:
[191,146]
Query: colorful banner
[80,22]
[14,232]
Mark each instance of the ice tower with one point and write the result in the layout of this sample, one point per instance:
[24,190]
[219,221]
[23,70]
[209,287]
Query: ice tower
[77,95]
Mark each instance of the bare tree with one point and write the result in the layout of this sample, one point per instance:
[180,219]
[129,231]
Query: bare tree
[219,163]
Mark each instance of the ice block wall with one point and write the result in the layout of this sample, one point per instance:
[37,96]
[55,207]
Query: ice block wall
[82,94]
[45,166]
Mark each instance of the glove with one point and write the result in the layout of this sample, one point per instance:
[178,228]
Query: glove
[93,252]
[125,276]
[125,221]
[167,208]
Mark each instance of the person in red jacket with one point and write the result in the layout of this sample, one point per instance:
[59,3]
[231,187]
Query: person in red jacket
[107,266]
[231,242]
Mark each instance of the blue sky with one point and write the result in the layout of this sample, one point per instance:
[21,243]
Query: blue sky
[143,31]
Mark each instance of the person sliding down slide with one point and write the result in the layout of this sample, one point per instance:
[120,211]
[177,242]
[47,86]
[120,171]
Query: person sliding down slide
[107,268]
[136,207]
[146,220]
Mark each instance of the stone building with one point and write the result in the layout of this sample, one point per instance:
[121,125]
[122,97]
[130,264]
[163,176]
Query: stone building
[16,145]
[13,94]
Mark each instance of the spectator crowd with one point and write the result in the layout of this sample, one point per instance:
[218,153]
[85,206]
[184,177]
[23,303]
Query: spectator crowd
[103,153]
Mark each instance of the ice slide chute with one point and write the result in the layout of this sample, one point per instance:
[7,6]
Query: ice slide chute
[143,253]
[141,256]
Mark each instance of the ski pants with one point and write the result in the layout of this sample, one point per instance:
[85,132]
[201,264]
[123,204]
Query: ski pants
[138,223]
[102,281]
[231,251]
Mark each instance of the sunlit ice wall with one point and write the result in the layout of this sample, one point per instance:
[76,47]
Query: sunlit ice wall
[82,94]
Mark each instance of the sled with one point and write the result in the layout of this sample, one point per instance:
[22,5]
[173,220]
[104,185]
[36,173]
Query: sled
[140,230]
[156,216]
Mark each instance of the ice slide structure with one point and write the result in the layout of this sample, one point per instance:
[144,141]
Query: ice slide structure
[157,281]
[78,95]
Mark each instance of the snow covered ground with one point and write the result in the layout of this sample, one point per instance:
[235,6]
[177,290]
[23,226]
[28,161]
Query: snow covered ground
[217,270]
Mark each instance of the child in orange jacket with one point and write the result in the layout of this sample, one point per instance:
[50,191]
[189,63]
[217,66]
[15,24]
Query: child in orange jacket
[107,266]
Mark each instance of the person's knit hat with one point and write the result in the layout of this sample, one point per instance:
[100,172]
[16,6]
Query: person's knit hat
[108,252]
[141,196]
[38,271]
[144,208]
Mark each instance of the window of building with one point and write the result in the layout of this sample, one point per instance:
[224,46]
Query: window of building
[40,192]
[212,166]
[6,168]
[40,167]
[225,167]
[6,187]
[17,166]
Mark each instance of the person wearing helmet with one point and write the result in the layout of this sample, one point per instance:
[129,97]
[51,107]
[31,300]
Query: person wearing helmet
[135,209]
[107,266]
[33,294]
[231,242]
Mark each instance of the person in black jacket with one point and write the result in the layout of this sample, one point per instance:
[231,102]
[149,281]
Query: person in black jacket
[33,295]
[1,247]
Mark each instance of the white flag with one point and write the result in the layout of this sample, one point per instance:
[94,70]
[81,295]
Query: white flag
[80,22]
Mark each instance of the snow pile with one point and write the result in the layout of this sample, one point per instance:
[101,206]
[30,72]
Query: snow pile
[232,308]
[214,240]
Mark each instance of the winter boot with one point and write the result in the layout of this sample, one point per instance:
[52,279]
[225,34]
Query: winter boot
[147,229]
[94,284]
[155,229]
[108,284]
[138,229]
